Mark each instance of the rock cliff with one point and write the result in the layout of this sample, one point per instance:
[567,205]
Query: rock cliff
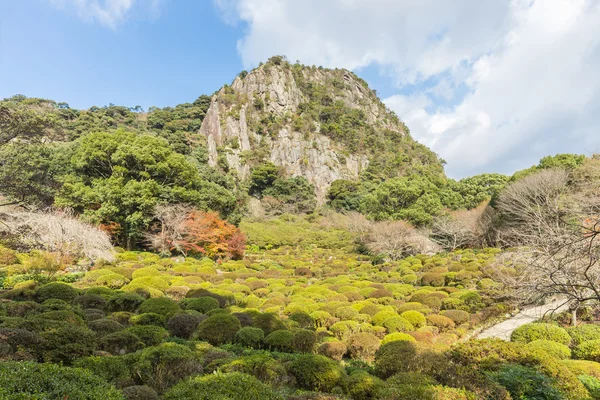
[318,123]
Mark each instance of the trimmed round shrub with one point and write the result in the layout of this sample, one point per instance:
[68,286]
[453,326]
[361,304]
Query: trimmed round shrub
[400,356]
[150,335]
[304,320]
[162,366]
[458,316]
[362,346]
[538,330]
[140,392]
[280,340]
[554,349]
[111,369]
[218,329]
[316,372]
[126,301]
[56,290]
[250,337]
[268,322]
[583,367]
[380,317]
[148,319]
[183,325]
[119,343]
[526,383]
[592,384]
[398,324]
[232,385]
[90,301]
[589,350]
[415,318]
[28,380]
[201,304]
[67,343]
[333,350]
[432,279]
[105,326]
[584,333]
[304,341]
[440,322]
[161,305]
[362,385]
[397,336]
[55,305]
[93,314]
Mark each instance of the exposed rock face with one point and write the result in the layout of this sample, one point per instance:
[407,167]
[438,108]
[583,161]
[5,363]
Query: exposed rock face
[252,121]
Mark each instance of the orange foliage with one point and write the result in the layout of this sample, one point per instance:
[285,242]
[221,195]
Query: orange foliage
[206,233]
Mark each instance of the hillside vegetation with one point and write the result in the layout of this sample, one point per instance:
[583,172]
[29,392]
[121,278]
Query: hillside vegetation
[284,238]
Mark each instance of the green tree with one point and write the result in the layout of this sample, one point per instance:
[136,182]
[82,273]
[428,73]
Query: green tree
[118,178]
[262,177]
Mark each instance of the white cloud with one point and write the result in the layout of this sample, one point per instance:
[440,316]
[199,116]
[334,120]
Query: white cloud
[110,13]
[519,77]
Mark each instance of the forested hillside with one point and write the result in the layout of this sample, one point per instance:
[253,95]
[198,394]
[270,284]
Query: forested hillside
[283,238]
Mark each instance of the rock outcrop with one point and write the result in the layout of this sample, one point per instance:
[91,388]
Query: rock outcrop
[262,116]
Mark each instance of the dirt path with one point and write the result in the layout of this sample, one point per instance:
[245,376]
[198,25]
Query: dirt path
[504,329]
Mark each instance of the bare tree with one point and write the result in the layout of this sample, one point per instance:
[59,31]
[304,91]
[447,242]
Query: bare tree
[171,231]
[392,239]
[558,247]
[459,229]
[55,231]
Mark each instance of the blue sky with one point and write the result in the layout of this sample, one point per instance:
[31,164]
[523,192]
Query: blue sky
[491,86]
[186,50]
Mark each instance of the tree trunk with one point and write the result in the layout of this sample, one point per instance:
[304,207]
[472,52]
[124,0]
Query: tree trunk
[574,316]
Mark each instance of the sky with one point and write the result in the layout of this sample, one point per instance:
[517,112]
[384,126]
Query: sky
[491,86]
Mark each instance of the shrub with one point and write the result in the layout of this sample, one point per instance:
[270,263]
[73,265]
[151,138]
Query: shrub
[362,385]
[201,304]
[219,329]
[440,322]
[333,350]
[526,383]
[280,340]
[90,301]
[150,335]
[66,344]
[141,392]
[148,319]
[458,316]
[260,365]
[554,349]
[111,369]
[316,372]
[103,327]
[304,341]
[125,301]
[18,338]
[362,346]
[161,305]
[398,324]
[233,385]
[380,317]
[592,385]
[268,322]
[583,333]
[402,356]
[432,279]
[162,366]
[583,367]
[183,325]
[589,350]
[397,336]
[537,330]
[56,290]
[8,256]
[250,337]
[415,318]
[303,320]
[121,343]
[27,380]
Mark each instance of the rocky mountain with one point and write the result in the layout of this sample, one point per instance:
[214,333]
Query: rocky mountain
[318,123]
